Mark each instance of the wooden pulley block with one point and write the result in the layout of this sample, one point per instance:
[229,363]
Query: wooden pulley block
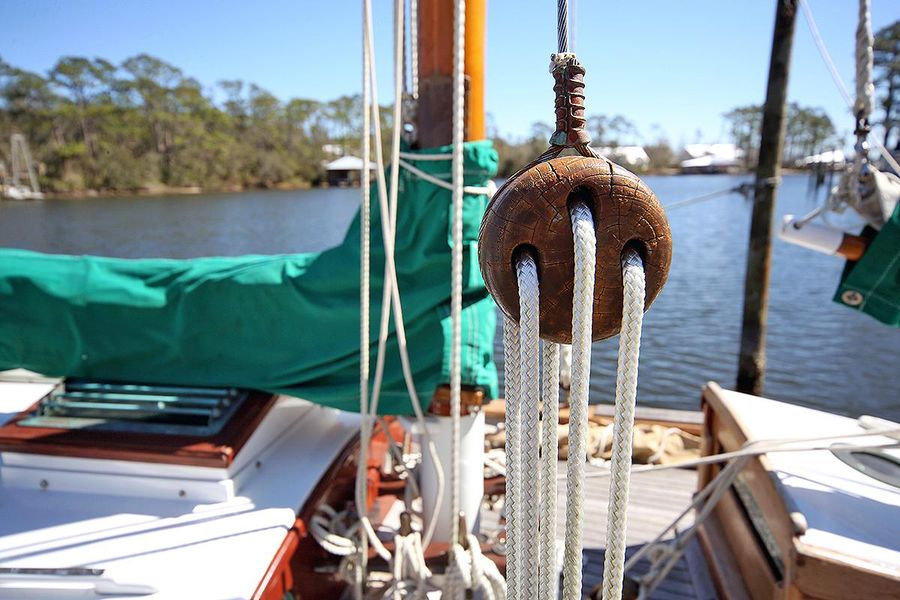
[532,212]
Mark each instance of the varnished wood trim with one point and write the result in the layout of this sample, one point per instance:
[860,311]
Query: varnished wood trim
[730,434]
[217,451]
[821,574]
[470,399]
[279,578]
[722,566]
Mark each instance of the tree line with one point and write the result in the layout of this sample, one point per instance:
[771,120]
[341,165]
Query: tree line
[143,124]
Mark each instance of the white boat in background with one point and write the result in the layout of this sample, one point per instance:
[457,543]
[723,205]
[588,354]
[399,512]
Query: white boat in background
[19,192]
[21,163]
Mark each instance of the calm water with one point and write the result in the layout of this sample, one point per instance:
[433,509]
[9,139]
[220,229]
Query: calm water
[819,353]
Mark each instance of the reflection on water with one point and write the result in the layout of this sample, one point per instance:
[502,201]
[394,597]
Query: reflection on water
[819,353]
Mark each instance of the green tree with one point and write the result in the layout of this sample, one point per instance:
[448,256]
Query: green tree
[887,77]
[808,131]
[611,131]
[87,84]
[744,124]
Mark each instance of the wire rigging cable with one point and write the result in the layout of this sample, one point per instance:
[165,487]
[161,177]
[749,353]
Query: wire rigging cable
[562,25]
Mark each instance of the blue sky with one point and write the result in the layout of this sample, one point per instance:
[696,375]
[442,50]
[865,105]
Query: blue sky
[671,67]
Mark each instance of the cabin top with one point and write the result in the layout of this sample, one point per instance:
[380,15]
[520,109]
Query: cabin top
[167,530]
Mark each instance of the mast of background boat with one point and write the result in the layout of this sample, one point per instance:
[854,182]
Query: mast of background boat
[434,128]
[752,361]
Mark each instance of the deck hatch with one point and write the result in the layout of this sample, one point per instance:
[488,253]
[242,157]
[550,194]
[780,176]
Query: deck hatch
[132,408]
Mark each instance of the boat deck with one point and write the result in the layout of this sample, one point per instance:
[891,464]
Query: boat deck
[656,499]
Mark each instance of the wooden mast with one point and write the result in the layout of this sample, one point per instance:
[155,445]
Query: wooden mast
[434,114]
[752,361]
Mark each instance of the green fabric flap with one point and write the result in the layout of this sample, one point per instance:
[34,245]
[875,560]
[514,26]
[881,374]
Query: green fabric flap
[872,284]
[284,324]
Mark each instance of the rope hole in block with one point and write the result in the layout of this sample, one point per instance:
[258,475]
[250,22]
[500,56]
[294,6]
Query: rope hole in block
[638,246]
[581,195]
[520,252]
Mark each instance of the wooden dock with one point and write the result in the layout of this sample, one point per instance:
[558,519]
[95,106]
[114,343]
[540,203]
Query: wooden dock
[656,499]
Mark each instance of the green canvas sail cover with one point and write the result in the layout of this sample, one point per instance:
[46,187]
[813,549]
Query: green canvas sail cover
[284,324]
[872,284]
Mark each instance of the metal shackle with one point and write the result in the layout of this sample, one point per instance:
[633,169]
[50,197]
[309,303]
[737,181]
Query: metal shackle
[531,213]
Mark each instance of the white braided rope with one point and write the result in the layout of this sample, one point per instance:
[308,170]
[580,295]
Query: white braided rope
[458,577]
[865,90]
[328,527]
[459,29]
[408,568]
[469,569]
[513,463]
[582,318]
[391,293]
[365,210]
[550,403]
[529,395]
[488,189]
[623,422]
[414,48]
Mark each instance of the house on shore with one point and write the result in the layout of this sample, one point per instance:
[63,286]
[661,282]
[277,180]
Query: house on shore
[830,159]
[633,157]
[346,171]
[710,158]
